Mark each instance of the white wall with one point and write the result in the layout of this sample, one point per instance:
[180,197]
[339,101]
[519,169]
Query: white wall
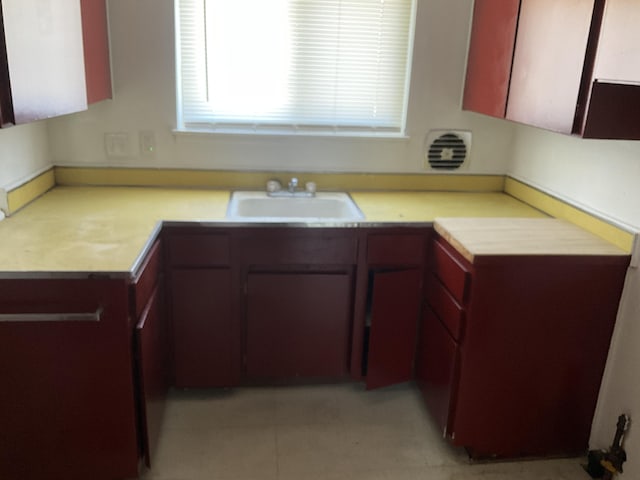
[24,151]
[620,390]
[602,176]
[144,86]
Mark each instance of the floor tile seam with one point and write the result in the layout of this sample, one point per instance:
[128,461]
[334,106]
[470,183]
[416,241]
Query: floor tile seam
[354,471]
[277,450]
[209,427]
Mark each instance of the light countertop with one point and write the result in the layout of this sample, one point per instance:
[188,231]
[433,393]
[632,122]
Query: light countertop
[106,229]
[474,237]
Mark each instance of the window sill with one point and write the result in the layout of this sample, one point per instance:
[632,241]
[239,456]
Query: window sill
[291,134]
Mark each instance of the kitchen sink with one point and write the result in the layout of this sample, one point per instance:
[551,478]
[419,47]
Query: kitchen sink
[322,207]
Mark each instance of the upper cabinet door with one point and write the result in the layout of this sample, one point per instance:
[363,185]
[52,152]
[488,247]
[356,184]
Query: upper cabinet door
[96,50]
[6,102]
[548,62]
[44,57]
[493,35]
[618,56]
[614,106]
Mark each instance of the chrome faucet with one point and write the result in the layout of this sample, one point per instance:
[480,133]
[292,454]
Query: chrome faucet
[274,189]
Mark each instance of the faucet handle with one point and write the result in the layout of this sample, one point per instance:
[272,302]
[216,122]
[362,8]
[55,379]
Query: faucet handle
[273,186]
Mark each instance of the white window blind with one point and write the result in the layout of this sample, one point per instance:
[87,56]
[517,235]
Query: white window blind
[326,66]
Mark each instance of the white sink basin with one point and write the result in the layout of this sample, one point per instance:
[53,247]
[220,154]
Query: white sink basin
[324,207]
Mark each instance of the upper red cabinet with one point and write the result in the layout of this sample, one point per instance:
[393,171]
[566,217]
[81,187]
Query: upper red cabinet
[570,66]
[53,58]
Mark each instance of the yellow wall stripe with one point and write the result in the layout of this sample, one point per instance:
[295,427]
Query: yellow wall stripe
[560,209]
[30,190]
[257,180]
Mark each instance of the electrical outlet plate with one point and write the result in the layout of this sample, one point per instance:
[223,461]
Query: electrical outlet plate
[117,145]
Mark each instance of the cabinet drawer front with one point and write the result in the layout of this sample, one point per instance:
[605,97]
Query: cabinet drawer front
[451,271]
[445,307]
[147,278]
[199,250]
[396,249]
[310,248]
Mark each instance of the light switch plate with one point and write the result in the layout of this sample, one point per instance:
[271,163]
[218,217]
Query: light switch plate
[147,143]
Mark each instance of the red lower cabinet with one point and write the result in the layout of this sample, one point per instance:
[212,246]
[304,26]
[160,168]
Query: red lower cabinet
[67,402]
[519,375]
[510,348]
[83,388]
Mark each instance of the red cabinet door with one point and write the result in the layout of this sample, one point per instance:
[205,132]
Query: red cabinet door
[394,315]
[298,325]
[95,37]
[548,62]
[203,328]
[615,91]
[436,367]
[490,54]
[153,369]
[619,43]
[67,401]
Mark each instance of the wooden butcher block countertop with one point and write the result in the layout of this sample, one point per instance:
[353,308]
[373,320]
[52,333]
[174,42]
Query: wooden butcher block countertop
[478,237]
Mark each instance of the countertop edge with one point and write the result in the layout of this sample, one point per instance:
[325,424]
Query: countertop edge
[157,230]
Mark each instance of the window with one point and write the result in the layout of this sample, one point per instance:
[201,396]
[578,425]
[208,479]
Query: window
[294,66]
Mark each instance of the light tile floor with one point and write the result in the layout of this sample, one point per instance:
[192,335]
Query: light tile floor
[328,432]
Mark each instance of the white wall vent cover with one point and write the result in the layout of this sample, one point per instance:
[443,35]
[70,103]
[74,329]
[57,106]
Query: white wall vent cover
[446,150]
